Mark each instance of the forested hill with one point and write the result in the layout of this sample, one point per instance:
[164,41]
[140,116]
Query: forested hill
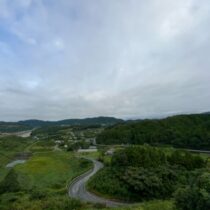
[191,131]
[85,121]
[7,127]
[30,124]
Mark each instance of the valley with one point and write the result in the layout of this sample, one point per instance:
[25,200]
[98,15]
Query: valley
[56,167]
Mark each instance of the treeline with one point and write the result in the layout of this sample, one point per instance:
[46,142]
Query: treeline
[187,131]
[84,122]
[10,127]
[139,173]
[56,130]
[152,157]
[30,124]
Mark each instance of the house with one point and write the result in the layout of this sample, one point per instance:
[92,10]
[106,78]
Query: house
[109,152]
[59,142]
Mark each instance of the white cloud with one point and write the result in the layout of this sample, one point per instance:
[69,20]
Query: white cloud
[58,43]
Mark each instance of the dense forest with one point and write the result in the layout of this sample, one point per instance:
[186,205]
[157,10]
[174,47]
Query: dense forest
[187,131]
[8,127]
[139,173]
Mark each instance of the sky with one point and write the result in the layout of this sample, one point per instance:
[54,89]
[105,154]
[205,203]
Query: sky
[85,58]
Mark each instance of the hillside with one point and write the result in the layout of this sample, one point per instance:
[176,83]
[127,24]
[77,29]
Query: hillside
[30,124]
[191,131]
[85,121]
[8,127]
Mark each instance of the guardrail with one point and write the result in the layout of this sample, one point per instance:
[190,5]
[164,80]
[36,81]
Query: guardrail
[73,181]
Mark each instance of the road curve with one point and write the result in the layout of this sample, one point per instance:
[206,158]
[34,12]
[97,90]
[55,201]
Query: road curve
[78,190]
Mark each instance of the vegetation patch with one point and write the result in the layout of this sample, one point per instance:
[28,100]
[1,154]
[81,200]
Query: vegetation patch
[184,131]
[51,170]
[140,173]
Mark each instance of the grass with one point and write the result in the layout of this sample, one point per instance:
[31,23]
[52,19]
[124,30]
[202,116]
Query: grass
[9,147]
[94,155]
[45,174]
[51,171]
[151,205]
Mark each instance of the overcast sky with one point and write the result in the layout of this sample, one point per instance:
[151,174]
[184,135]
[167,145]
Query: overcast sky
[123,58]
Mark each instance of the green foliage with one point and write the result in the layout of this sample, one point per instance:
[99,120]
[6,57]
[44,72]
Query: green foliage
[191,131]
[51,171]
[43,182]
[13,143]
[95,121]
[144,173]
[37,194]
[139,156]
[49,203]
[192,198]
[150,183]
[186,159]
[147,156]
[135,183]
[63,203]
[106,181]
[10,183]
[10,127]
[77,145]
[195,196]
[10,147]
[157,205]
[73,147]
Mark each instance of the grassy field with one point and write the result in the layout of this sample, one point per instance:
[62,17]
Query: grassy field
[43,179]
[45,176]
[51,171]
[10,146]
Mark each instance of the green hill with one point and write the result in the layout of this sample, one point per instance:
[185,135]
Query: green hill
[191,131]
[8,127]
[30,124]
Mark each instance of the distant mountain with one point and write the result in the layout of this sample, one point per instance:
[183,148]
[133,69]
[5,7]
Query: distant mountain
[8,127]
[34,123]
[30,124]
[206,113]
[91,121]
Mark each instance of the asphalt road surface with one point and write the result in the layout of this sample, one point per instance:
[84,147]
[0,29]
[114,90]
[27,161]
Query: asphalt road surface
[77,188]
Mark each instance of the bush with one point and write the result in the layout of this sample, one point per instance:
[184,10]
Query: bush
[106,181]
[49,203]
[139,156]
[196,196]
[10,183]
[145,172]
[186,160]
[37,194]
[64,203]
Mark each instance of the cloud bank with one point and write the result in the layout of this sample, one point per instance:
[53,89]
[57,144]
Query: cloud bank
[123,58]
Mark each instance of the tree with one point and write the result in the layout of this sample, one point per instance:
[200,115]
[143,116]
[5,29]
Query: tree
[196,196]
[10,183]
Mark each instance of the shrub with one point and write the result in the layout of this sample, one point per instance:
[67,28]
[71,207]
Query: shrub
[195,196]
[10,183]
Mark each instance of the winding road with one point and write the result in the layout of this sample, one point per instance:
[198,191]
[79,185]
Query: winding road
[78,190]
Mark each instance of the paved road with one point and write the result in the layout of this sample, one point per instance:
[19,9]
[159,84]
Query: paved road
[77,188]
